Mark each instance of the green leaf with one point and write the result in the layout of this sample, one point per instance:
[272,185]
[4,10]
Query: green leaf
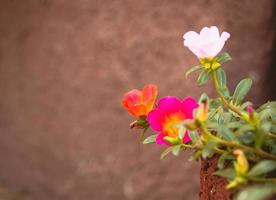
[181,131]
[150,139]
[176,150]
[241,90]
[194,137]
[222,82]
[273,128]
[257,192]
[195,156]
[262,168]
[166,152]
[233,125]
[245,104]
[193,69]
[270,104]
[228,173]
[226,133]
[223,57]
[203,77]
[208,151]
[222,158]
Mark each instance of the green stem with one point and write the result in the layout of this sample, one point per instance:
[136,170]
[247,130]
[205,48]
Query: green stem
[258,152]
[273,180]
[224,101]
[273,136]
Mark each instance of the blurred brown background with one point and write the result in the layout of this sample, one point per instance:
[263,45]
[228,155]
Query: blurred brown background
[64,67]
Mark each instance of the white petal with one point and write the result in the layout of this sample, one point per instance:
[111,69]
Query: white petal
[190,38]
[196,50]
[205,32]
[214,33]
[225,36]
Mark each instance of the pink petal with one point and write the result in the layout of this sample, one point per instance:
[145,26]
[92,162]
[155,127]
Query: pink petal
[160,140]
[169,104]
[188,106]
[186,138]
[155,119]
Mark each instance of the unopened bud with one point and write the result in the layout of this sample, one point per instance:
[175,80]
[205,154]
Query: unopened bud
[140,123]
[172,140]
[190,124]
[241,166]
[202,111]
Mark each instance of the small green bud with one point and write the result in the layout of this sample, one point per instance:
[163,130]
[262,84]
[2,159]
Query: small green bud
[173,141]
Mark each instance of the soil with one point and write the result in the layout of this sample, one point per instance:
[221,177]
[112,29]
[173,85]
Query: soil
[213,187]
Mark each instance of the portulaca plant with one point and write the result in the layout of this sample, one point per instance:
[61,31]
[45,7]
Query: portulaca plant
[242,136]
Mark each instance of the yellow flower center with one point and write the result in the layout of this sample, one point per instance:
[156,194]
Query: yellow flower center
[170,126]
[209,63]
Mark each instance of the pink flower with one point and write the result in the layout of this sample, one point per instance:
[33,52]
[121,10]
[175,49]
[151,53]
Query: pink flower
[169,112]
[207,44]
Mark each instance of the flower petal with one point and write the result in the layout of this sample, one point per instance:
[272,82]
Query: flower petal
[138,110]
[149,92]
[188,106]
[225,36]
[131,98]
[190,38]
[169,104]
[156,118]
[160,140]
[214,33]
[186,137]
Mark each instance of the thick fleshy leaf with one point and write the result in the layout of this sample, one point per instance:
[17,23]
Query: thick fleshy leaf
[176,150]
[166,152]
[256,192]
[221,77]
[194,137]
[203,77]
[241,90]
[193,69]
[262,168]
[226,133]
[150,139]
[228,173]
[223,57]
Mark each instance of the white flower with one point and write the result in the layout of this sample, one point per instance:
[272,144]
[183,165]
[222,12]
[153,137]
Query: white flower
[207,44]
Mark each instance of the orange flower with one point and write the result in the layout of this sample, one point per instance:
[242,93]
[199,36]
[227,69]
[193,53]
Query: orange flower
[140,103]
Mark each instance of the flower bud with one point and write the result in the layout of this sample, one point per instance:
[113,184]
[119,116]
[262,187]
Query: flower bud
[202,111]
[140,123]
[241,166]
[190,124]
[172,141]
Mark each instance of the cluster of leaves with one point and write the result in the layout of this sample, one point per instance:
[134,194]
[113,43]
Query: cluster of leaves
[233,125]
